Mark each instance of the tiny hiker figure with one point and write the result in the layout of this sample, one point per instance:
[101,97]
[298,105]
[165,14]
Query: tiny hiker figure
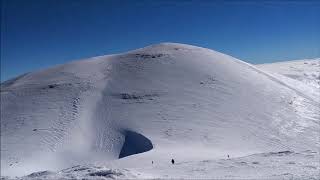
[228,156]
[172,161]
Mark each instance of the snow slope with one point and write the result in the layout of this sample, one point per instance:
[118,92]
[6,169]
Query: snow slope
[306,70]
[152,104]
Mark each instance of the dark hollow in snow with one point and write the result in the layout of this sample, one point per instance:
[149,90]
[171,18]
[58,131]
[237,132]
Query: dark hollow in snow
[134,143]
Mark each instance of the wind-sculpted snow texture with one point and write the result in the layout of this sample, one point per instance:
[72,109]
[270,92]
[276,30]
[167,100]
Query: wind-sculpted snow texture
[161,102]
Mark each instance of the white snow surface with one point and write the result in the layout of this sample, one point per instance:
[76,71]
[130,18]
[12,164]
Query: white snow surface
[194,104]
[306,70]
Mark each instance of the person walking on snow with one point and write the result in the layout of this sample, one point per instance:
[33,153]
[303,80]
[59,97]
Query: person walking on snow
[172,161]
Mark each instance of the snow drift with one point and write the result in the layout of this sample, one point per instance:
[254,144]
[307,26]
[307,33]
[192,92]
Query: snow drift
[162,101]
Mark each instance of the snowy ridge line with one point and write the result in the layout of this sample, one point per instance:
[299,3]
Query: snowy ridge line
[298,74]
[271,77]
[285,61]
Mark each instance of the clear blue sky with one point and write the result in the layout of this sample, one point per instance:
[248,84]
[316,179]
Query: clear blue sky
[36,34]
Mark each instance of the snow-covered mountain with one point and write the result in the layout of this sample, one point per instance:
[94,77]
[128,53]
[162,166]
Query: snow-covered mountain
[127,115]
